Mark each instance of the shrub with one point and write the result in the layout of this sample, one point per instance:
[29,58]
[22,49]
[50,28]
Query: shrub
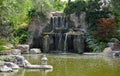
[93,44]
[106,29]
[20,35]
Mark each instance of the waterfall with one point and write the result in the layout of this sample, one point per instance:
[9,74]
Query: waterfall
[62,22]
[53,24]
[65,23]
[60,39]
[65,42]
[56,22]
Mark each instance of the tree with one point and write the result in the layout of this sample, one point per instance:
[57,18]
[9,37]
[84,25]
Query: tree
[75,7]
[42,6]
[13,15]
[14,11]
[106,29]
[115,5]
[59,5]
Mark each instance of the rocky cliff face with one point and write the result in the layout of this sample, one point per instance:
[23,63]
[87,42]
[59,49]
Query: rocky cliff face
[36,27]
[79,21]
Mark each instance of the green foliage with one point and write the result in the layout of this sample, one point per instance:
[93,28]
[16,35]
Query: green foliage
[116,10]
[94,11]
[33,13]
[5,30]
[75,7]
[14,11]
[42,6]
[13,15]
[20,36]
[59,5]
[2,44]
[117,35]
[93,5]
[94,44]
[92,17]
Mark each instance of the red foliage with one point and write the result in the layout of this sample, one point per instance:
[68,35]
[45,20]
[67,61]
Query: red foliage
[106,28]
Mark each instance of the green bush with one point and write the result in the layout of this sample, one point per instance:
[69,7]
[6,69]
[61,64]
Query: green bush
[75,7]
[94,44]
[20,35]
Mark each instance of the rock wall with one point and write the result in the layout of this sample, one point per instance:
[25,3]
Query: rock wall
[79,21]
[36,27]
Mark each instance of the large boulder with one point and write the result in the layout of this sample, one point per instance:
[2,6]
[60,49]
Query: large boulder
[107,51]
[4,68]
[35,51]
[11,65]
[24,48]
[117,53]
[16,51]
[110,44]
[114,44]
[20,60]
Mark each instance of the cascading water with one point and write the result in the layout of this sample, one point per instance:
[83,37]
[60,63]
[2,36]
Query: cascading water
[56,22]
[62,22]
[65,43]
[66,23]
[59,40]
[53,24]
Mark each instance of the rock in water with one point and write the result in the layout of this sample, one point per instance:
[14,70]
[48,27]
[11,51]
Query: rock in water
[35,51]
[20,60]
[4,68]
[11,65]
[107,51]
[16,51]
[24,48]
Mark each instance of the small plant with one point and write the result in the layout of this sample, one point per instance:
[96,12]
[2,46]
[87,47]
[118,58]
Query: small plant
[3,44]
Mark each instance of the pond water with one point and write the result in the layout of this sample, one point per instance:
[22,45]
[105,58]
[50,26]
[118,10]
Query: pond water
[71,65]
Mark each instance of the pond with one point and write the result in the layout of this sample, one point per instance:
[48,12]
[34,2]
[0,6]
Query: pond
[71,65]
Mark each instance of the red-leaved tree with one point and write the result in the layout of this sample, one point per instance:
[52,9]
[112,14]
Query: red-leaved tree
[106,29]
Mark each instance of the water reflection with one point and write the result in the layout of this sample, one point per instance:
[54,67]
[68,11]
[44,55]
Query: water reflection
[45,71]
[71,65]
[22,72]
